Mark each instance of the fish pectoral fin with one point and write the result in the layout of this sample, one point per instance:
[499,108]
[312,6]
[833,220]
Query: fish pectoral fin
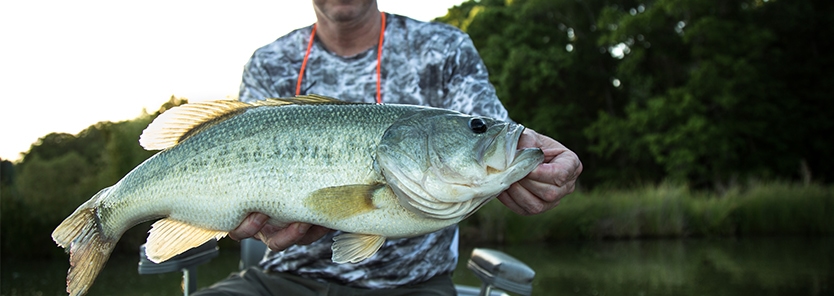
[169,237]
[340,202]
[355,247]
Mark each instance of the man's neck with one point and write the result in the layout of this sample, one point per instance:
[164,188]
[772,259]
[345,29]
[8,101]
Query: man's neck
[349,38]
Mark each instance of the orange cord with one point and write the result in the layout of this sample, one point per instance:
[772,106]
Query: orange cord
[304,63]
[378,61]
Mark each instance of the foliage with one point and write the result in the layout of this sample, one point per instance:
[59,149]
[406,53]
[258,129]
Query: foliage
[547,67]
[62,171]
[705,92]
[703,74]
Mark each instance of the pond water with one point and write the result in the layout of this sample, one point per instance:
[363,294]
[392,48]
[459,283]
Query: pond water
[749,266]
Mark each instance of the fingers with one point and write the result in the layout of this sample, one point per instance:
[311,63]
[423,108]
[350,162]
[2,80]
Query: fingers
[552,181]
[249,227]
[510,203]
[529,139]
[544,187]
[278,239]
[313,234]
[521,200]
[538,192]
[562,169]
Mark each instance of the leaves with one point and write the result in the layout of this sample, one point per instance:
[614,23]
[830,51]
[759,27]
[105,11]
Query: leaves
[701,91]
[60,172]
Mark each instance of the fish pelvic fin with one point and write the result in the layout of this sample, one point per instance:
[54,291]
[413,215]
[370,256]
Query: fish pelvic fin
[169,237]
[355,247]
[89,249]
[340,202]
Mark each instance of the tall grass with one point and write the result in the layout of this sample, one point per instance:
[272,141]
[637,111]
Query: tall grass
[665,210]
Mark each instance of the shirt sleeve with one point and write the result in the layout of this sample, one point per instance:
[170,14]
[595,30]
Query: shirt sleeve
[468,88]
[255,83]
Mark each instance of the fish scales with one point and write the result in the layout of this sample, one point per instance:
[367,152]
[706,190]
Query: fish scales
[371,171]
[234,153]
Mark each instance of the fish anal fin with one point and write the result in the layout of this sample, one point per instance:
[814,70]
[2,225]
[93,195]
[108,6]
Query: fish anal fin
[355,247]
[169,237]
[340,202]
[178,123]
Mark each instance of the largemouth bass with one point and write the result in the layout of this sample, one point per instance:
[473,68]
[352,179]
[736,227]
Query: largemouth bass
[372,171]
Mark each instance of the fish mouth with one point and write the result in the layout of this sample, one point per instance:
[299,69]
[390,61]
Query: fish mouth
[512,142]
[497,159]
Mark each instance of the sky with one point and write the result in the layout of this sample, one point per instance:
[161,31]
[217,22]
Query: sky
[66,65]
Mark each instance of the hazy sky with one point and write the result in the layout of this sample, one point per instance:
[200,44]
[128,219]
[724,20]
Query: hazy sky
[65,65]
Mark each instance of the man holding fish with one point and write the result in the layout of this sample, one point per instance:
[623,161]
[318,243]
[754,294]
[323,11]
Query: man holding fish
[356,53]
[359,195]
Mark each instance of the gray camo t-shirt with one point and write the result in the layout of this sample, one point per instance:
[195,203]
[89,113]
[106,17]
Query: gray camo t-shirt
[423,63]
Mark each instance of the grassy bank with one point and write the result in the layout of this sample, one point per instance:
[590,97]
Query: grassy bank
[664,211]
[648,212]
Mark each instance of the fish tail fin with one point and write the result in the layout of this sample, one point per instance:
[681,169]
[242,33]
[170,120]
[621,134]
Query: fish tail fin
[89,249]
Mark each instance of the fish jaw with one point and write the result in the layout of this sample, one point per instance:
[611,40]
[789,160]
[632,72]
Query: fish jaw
[505,163]
[445,184]
[498,157]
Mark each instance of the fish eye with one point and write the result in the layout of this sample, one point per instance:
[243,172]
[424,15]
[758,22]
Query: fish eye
[477,125]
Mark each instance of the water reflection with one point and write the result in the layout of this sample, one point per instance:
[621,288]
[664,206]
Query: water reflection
[749,266]
[756,266]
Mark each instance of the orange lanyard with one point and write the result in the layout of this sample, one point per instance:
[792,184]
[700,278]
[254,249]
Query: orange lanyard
[378,61]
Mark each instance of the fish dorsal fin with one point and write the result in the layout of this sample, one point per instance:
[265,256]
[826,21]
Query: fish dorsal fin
[355,247]
[300,100]
[170,237]
[178,123]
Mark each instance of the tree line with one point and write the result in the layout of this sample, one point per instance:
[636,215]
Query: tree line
[60,172]
[708,93]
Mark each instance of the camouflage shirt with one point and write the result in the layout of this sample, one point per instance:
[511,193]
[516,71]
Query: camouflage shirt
[423,63]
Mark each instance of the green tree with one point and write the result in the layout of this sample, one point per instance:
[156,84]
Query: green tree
[60,172]
[546,65]
[56,186]
[701,91]
[707,98]
[122,152]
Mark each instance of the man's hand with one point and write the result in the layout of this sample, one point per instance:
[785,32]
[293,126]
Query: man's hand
[276,238]
[542,189]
